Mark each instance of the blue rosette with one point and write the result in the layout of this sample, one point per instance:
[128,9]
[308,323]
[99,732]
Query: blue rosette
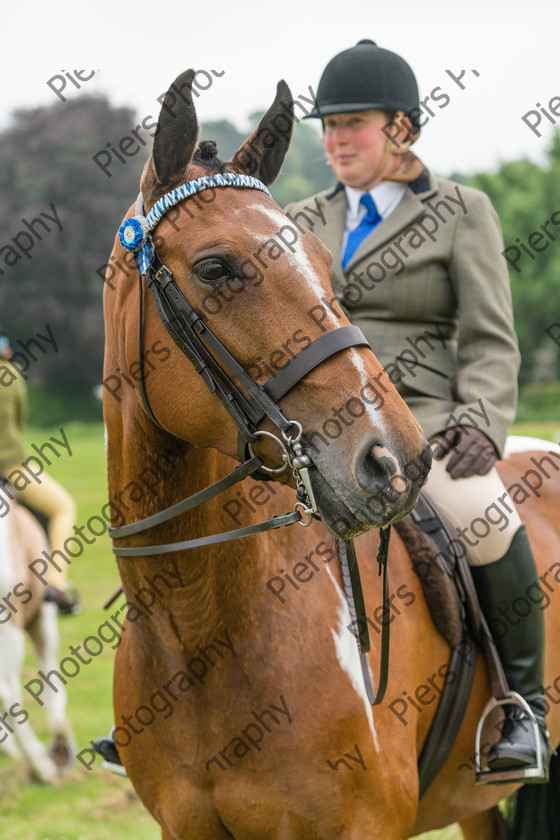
[133,232]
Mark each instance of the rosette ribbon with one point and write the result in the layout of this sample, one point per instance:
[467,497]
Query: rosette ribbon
[133,232]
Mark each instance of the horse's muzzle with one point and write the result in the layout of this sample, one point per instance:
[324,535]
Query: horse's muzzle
[384,491]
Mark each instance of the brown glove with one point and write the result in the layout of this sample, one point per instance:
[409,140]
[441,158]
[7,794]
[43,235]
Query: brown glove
[473,453]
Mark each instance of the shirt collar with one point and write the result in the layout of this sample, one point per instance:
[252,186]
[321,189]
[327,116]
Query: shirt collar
[386,195]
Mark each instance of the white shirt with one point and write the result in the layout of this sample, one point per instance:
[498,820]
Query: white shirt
[386,195]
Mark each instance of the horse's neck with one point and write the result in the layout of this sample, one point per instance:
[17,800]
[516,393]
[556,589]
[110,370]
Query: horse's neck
[209,586]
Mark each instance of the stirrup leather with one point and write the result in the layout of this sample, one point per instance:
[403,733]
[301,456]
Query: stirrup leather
[516,774]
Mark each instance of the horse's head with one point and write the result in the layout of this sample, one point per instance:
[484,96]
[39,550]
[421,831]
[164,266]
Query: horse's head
[261,283]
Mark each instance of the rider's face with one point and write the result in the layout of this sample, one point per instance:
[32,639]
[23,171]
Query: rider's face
[355,144]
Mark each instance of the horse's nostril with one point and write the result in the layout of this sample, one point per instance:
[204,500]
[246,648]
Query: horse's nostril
[389,463]
[376,468]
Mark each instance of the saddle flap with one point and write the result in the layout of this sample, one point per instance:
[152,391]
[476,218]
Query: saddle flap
[434,572]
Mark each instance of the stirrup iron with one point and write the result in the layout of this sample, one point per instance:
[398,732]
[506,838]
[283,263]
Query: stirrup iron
[118,769]
[516,774]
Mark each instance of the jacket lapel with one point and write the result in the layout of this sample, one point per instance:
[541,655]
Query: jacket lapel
[335,209]
[410,208]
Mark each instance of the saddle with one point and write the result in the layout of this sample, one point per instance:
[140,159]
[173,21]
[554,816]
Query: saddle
[452,601]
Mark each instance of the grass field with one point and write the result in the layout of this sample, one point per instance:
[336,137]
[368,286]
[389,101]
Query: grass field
[93,805]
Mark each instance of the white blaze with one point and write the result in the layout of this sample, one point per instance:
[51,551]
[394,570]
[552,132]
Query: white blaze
[298,259]
[348,656]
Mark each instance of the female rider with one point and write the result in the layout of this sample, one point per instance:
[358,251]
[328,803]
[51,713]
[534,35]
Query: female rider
[417,266]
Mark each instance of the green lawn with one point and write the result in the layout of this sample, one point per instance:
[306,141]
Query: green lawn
[92,805]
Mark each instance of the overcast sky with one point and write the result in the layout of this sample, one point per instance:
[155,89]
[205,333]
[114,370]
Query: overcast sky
[137,48]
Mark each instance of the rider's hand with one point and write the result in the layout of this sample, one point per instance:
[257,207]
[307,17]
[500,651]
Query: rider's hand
[473,452]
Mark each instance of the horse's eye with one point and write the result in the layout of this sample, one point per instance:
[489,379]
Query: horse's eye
[212,271]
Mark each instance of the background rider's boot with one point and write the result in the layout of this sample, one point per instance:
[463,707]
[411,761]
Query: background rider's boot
[520,645]
[107,748]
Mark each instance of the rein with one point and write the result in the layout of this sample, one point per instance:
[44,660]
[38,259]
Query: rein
[247,407]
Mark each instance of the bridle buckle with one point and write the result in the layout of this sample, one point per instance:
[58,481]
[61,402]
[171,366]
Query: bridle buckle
[161,270]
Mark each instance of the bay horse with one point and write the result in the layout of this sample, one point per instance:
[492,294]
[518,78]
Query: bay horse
[22,540]
[239,701]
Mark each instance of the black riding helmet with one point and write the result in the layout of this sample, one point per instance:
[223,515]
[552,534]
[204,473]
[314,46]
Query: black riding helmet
[366,77]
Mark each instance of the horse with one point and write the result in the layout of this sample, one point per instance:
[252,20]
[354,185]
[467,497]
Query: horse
[24,609]
[239,699]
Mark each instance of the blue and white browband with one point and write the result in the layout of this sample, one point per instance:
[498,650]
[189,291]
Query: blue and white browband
[134,232]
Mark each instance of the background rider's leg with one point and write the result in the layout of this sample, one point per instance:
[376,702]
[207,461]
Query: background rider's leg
[54,502]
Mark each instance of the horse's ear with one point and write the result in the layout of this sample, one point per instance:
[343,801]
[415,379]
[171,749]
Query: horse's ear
[177,132]
[263,153]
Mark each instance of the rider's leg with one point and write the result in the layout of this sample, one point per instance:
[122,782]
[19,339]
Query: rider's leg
[485,520]
[57,505]
[520,644]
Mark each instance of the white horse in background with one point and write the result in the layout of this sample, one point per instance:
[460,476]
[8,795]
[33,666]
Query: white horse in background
[524,443]
[21,541]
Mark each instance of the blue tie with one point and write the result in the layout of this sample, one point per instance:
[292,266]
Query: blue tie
[357,236]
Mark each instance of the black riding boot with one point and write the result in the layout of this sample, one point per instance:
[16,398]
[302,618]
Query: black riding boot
[520,645]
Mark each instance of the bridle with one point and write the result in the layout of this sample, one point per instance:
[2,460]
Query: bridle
[247,402]
[220,371]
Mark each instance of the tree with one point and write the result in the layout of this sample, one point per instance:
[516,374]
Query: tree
[47,167]
[304,171]
[525,197]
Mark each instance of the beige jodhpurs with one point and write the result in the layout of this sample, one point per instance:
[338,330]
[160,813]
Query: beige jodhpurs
[478,509]
[54,502]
